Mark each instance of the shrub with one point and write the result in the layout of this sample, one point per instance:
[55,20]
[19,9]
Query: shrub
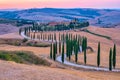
[25,40]
[22,57]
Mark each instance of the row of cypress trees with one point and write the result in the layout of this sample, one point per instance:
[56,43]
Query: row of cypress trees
[112,57]
[72,44]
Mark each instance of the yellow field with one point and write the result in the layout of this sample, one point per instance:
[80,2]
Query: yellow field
[93,42]
[14,71]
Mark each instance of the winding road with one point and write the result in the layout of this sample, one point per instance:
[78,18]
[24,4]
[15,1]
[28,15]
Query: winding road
[73,64]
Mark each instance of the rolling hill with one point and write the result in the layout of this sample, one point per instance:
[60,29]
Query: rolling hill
[98,17]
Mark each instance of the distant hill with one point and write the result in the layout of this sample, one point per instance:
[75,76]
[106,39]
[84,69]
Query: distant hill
[99,17]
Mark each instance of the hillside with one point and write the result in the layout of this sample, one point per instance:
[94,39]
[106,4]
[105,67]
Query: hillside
[99,17]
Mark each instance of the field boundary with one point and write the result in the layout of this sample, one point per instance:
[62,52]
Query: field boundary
[104,36]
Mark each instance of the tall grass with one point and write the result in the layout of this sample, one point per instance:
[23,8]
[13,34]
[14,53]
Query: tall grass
[22,57]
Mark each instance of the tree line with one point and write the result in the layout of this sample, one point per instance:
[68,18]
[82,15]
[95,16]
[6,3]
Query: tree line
[74,24]
[71,46]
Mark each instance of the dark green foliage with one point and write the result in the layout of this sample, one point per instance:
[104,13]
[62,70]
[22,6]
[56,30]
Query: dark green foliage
[114,56]
[85,57]
[22,57]
[76,52]
[20,30]
[54,36]
[24,40]
[62,58]
[59,37]
[69,49]
[38,44]
[41,36]
[54,51]
[34,36]
[83,44]
[84,47]
[110,60]
[59,47]
[51,52]
[98,55]
[74,24]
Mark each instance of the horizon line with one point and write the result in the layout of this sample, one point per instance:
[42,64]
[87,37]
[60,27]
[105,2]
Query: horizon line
[55,8]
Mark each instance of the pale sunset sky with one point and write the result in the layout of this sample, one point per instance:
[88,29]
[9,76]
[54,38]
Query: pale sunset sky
[23,4]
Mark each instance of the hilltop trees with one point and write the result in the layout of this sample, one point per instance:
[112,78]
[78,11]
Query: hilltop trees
[98,55]
[74,24]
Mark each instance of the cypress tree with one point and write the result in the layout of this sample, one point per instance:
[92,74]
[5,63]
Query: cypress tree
[59,47]
[59,37]
[50,36]
[54,36]
[62,58]
[83,43]
[76,52]
[34,35]
[71,47]
[54,52]
[56,47]
[98,55]
[41,36]
[110,60]
[51,51]
[63,37]
[84,48]
[114,56]
[69,50]
[85,57]
[20,30]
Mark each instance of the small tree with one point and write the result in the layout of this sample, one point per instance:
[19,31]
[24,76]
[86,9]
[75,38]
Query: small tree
[110,60]
[20,30]
[59,37]
[98,55]
[62,58]
[76,52]
[51,51]
[55,36]
[59,47]
[54,52]
[56,49]
[85,57]
[114,56]
[84,48]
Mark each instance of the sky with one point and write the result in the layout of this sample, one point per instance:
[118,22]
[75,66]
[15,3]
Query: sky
[24,4]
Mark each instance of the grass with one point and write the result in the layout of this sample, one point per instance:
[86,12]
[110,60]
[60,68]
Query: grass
[38,45]
[22,57]
[104,36]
